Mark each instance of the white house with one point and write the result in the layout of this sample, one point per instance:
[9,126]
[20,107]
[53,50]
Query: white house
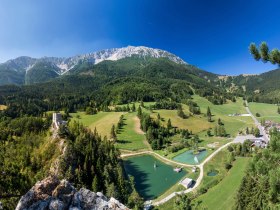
[187,182]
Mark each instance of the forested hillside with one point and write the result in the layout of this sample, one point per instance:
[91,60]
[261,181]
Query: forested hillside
[260,186]
[259,88]
[113,82]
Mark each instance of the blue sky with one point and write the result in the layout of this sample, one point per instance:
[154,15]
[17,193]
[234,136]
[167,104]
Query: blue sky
[211,34]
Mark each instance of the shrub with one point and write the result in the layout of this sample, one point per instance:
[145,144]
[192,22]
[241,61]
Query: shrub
[228,166]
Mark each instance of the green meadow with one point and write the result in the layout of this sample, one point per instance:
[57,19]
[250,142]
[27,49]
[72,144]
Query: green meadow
[267,111]
[102,121]
[130,136]
[232,124]
[222,196]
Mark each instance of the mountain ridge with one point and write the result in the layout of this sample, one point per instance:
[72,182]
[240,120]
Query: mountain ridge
[62,65]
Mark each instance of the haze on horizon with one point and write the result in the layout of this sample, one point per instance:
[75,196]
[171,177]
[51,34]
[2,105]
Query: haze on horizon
[213,35]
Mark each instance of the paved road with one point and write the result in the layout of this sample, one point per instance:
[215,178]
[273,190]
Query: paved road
[262,131]
[199,179]
[237,139]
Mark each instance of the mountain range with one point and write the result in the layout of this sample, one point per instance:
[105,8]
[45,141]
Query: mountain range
[27,70]
[141,62]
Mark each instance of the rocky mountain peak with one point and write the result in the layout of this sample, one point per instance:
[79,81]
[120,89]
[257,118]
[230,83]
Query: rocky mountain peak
[53,194]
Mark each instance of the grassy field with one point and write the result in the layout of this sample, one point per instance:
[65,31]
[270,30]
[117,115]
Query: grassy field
[221,197]
[199,123]
[2,107]
[216,163]
[102,121]
[267,111]
[129,137]
[196,123]
[232,124]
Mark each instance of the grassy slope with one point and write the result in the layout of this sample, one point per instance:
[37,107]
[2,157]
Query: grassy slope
[132,140]
[199,123]
[267,111]
[221,197]
[194,123]
[103,121]
[232,124]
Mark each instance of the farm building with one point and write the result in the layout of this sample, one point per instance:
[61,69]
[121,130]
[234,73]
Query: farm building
[187,182]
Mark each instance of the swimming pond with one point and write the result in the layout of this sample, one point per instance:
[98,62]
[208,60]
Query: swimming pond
[151,176]
[212,173]
[190,158]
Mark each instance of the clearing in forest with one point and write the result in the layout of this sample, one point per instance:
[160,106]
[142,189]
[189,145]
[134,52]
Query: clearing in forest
[102,121]
[130,136]
[233,124]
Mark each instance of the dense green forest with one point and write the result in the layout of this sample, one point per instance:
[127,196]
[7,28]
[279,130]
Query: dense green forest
[108,83]
[260,186]
[28,149]
[27,152]
[263,87]
[95,164]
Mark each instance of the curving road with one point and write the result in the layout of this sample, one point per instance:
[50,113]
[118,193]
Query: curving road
[199,179]
[200,166]
[237,139]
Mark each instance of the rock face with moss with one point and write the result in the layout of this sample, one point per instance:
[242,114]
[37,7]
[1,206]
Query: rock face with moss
[51,193]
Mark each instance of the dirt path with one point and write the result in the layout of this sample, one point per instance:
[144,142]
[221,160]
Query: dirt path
[137,126]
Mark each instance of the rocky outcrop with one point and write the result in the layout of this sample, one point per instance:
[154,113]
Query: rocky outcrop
[53,194]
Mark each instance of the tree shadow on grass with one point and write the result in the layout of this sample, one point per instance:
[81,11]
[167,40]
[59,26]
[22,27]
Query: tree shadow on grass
[140,177]
[123,141]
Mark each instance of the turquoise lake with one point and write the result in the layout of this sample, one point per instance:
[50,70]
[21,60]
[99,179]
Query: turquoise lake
[150,181]
[189,158]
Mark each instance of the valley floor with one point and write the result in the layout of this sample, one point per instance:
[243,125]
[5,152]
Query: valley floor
[132,141]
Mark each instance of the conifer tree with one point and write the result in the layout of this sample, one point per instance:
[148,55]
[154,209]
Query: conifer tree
[169,125]
[256,132]
[113,134]
[247,130]
[95,184]
[133,108]
[209,114]
[139,112]
[182,202]
[158,117]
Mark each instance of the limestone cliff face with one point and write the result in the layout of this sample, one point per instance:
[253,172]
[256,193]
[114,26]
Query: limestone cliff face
[53,194]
